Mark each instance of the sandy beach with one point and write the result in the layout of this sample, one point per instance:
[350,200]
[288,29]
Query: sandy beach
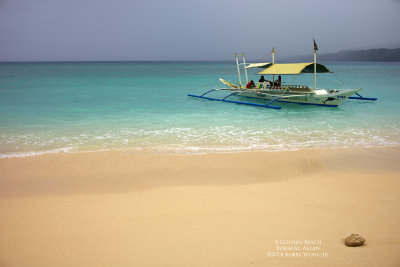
[244,209]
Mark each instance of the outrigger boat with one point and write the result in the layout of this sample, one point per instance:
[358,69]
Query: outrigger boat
[290,93]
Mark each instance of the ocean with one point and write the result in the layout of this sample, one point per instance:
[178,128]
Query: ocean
[143,107]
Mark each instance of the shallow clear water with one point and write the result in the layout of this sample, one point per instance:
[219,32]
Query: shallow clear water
[144,107]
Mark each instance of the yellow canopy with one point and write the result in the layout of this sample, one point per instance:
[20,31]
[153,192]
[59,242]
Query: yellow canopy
[258,65]
[294,68]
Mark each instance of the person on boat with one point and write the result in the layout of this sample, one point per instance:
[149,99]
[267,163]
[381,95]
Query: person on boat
[278,82]
[250,84]
[262,80]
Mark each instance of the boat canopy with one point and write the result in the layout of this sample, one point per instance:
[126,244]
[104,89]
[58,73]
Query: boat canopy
[294,68]
[258,65]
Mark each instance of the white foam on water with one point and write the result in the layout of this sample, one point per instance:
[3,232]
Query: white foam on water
[198,140]
[35,153]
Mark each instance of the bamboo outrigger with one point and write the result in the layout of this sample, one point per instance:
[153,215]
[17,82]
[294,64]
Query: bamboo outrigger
[290,93]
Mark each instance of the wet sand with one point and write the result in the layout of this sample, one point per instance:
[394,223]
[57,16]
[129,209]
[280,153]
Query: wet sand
[243,209]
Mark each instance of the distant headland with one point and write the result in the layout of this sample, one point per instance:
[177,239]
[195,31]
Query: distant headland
[369,55]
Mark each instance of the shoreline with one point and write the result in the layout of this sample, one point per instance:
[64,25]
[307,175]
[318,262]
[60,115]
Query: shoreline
[221,209]
[174,152]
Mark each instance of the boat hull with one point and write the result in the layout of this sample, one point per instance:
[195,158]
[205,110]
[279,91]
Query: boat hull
[329,100]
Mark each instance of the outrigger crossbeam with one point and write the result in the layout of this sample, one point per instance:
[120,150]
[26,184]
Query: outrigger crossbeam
[235,102]
[360,97]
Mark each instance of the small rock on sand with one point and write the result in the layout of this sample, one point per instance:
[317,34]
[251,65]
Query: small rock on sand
[354,240]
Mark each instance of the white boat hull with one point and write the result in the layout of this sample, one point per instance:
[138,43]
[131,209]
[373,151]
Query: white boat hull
[329,99]
[295,94]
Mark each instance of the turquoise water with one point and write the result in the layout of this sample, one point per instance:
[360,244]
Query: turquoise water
[143,107]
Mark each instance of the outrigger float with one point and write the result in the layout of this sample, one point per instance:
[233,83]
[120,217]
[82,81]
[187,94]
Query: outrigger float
[290,93]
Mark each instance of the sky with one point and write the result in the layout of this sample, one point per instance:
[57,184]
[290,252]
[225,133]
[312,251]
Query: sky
[104,30]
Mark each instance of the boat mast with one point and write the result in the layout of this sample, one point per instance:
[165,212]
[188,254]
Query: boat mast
[315,64]
[238,69]
[245,70]
[273,62]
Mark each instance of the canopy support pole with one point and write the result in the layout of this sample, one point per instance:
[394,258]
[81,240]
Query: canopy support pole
[273,62]
[238,69]
[245,70]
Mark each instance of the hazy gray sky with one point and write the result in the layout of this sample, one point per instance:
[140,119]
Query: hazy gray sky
[33,30]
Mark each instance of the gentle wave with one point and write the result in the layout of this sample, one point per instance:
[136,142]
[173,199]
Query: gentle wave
[189,140]
[35,153]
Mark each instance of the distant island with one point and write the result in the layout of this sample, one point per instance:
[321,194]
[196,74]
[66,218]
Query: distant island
[370,55]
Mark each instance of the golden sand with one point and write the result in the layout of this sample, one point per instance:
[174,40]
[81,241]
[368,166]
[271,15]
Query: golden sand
[244,209]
